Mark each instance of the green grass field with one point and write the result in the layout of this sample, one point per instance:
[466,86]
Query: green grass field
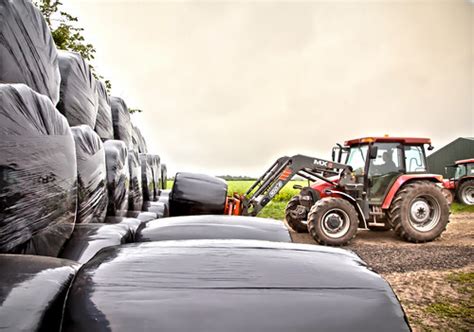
[276,208]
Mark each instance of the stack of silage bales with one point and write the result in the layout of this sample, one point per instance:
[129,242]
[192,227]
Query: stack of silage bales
[27,51]
[37,172]
[91,176]
[79,101]
[118,177]
[103,125]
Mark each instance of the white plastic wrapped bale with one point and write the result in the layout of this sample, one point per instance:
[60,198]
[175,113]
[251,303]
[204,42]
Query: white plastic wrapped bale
[38,174]
[92,195]
[78,95]
[103,125]
[27,51]
[118,177]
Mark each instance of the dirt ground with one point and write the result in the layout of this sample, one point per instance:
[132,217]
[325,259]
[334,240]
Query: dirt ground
[434,281]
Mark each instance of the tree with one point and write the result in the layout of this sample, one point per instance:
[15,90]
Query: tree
[66,34]
[134,110]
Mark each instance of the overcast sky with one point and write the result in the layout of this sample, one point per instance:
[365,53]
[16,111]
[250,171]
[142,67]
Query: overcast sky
[228,87]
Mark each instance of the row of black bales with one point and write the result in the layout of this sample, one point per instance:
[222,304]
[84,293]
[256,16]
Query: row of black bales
[66,152]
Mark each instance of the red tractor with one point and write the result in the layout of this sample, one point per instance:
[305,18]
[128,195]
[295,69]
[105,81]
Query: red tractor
[382,184]
[461,185]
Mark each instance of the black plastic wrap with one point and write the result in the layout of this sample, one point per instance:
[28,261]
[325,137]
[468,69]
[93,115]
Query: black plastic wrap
[214,227]
[197,194]
[230,285]
[136,223]
[147,177]
[103,125]
[164,176]
[156,171]
[92,195]
[27,51]
[138,140]
[118,177]
[135,193]
[142,215]
[33,291]
[121,121]
[78,98]
[161,209]
[38,174]
[88,239]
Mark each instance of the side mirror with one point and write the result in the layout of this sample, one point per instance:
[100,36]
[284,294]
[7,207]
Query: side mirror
[333,154]
[373,152]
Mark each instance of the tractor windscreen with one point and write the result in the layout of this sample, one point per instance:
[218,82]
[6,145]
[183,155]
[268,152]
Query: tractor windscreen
[356,158]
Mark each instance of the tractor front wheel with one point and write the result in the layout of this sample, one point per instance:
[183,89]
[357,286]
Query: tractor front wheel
[419,212]
[333,221]
[466,192]
[296,215]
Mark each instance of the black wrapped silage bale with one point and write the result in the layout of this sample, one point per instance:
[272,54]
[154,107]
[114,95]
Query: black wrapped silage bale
[147,177]
[27,51]
[79,100]
[38,174]
[135,193]
[214,227]
[232,286]
[118,177]
[103,125]
[89,239]
[156,171]
[121,121]
[164,176]
[92,196]
[194,194]
[33,290]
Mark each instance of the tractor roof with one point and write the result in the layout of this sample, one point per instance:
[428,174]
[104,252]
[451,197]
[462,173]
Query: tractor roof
[465,161]
[387,139]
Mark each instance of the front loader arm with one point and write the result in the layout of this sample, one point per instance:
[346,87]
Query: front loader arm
[280,173]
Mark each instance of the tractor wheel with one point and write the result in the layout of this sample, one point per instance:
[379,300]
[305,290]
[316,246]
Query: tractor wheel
[419,212]
[296,215]
[333,221]
[466,192]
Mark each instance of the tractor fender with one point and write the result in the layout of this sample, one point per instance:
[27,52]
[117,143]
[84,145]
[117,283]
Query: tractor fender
[403,179]
[353,201]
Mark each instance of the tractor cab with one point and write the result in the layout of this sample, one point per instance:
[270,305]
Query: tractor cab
[378,162]
[461,186]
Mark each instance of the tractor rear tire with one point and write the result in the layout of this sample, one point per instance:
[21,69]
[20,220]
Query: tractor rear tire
[333,221]
[419,212]
[466,192]
[295,217]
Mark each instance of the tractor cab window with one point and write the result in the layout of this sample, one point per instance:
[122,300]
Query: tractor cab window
[460,171]
[356,158]
[414,159]
[387,161]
